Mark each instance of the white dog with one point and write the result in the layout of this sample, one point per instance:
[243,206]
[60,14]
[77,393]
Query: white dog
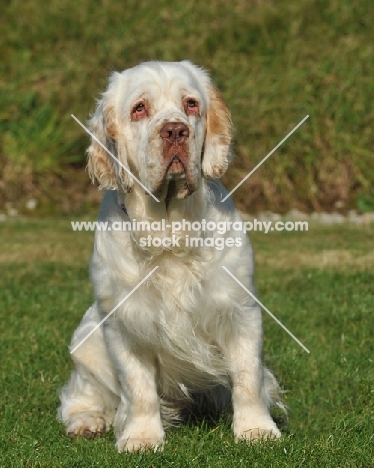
[190,334]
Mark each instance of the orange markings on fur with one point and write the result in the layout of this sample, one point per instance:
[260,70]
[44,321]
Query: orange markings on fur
[219,118]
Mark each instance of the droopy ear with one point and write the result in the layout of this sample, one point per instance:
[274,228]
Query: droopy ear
[217,153]
[102,167]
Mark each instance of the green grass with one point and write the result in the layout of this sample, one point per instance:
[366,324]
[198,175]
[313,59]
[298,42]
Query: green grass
[327,304]
[275,62]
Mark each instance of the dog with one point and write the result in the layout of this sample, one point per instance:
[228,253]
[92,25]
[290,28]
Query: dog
[189,336]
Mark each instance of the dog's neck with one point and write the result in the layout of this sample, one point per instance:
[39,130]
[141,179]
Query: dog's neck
[139,205]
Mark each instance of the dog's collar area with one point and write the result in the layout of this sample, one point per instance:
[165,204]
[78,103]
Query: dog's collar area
[123,207]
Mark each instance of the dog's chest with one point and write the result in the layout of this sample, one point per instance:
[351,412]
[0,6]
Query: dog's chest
[180,296]
[188,324]
[181,307]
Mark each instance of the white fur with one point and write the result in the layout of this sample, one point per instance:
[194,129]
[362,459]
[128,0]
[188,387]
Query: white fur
[190,334]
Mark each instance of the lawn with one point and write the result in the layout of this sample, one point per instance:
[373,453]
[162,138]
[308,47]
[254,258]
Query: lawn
[318,283]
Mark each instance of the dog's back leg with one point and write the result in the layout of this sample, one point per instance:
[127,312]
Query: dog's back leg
[90,398]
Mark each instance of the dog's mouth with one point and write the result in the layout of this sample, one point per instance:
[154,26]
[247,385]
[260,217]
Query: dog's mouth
[178,178]
[175,167]
[175,179]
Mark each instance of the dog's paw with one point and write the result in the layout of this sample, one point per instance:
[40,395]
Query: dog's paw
[252,435]
[141,436]
[134,444]
[253,432]
[87,424]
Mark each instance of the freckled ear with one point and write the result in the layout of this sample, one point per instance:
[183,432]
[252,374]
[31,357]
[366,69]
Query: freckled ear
[217,153]
[101,166]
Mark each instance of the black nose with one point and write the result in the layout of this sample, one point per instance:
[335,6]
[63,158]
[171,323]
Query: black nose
[175,132]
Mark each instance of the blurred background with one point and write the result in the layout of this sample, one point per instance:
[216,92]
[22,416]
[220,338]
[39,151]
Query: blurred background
[275,61]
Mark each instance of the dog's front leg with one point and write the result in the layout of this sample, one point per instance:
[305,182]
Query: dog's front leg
[250,401]
[138,423]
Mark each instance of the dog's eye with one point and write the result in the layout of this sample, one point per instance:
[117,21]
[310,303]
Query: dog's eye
[139,111]
[191,107]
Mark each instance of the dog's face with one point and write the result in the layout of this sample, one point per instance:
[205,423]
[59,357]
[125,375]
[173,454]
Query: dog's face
[166,123]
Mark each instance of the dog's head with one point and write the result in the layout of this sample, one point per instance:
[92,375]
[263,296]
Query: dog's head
[164,122]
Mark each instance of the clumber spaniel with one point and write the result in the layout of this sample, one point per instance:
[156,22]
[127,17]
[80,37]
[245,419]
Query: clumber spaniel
[190,336]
